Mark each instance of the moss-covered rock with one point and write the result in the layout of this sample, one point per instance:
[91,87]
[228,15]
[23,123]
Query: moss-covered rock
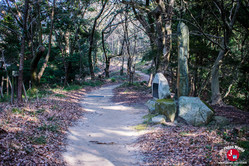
[165,100]
[166,107]
[151,106]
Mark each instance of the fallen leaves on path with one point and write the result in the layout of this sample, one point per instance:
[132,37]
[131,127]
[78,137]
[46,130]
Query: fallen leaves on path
[185,145]
[137,93]
[34,133]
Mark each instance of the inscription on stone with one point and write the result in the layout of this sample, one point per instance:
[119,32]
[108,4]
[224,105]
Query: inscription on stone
[155,90]
[160,87]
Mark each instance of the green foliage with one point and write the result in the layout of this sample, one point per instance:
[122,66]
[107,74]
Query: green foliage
[73,87]
[113,79]
[40,111]
[33,92]
[17,111]
[245,146]
[39,140]
[147,118]
[5,98]
[93,83]
[60,95]
[140,127]
[50,127]
[149,55]
[52,118]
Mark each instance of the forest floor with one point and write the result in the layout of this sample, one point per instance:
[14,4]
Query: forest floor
[34,133]
[177,144]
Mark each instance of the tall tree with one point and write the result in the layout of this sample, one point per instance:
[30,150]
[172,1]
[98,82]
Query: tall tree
[156,19]
[21,63]
[91,39]
[49,44]
[228,19]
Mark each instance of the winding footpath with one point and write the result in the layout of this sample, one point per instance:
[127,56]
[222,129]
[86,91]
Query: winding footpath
[106,134]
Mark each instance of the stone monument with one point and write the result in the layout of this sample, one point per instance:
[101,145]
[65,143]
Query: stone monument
[190,109]
[160,87]
[183,55]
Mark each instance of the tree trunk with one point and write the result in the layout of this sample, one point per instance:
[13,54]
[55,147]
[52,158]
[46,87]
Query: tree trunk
[91,41]
[122,67]
[215,86]
[107,60]
[151,75]
[20,77]
[39,21]
[34,63]
[107,63]
[49,45]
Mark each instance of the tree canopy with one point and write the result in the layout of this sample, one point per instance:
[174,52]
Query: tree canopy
[53,41]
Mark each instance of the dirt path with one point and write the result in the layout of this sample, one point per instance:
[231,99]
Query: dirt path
[144,77]
[106,134]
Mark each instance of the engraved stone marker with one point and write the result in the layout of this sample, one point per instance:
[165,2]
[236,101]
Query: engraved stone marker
[183,55]
[160,87]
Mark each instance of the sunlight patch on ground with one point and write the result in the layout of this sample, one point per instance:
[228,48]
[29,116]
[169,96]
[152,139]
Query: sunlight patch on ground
[121,131]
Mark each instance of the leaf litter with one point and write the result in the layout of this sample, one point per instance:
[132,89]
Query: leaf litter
[35,133]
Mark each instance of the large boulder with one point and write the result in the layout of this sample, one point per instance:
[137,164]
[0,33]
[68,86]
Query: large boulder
[166,107]
[151,106]
[160,87]
[194,111]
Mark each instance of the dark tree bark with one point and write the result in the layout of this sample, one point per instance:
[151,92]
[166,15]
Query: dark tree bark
[34,63]
[49,45]
[91,40]
[20,77]
[122,67]
[227,28]
[39,21]
[157,26]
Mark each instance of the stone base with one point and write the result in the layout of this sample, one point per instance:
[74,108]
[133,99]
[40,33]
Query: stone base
[166,107]
[151,106]
[158,119]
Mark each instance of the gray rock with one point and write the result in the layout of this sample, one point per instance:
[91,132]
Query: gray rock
[221,120]
[166,107]
[151,106]
[194,111]
[183,55]
[158,119]
[160,87]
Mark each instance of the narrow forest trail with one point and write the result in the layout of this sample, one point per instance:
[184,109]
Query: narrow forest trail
[106,134]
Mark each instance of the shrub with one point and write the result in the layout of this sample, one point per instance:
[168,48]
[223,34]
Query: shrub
[33,92]
[72,87]
[16,111]
[39,140]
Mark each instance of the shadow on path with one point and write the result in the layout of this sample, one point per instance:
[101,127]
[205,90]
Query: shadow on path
[105,136]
